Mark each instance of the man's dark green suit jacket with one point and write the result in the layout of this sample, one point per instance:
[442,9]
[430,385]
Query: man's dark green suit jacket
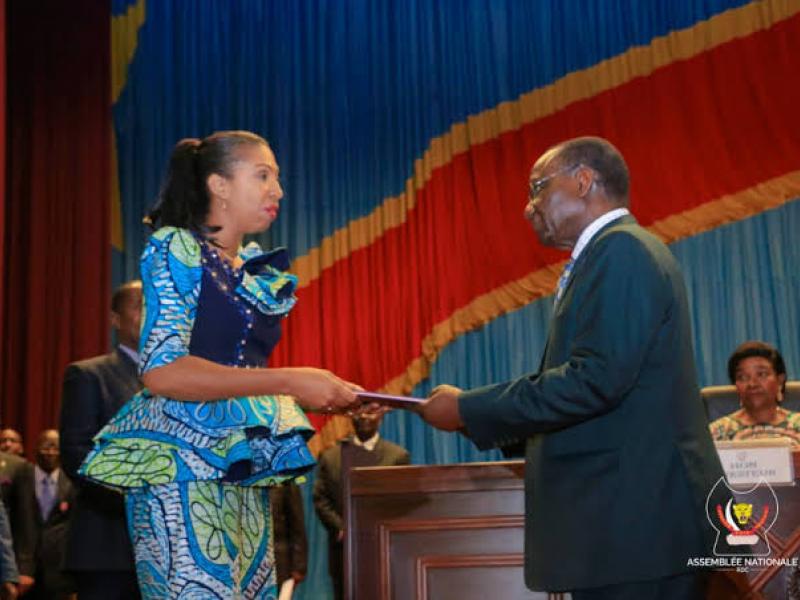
[619,460]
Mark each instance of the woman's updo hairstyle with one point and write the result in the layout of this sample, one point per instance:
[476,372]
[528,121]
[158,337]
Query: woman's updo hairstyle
[184,199]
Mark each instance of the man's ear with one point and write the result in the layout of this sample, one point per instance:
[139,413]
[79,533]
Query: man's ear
[585,177]
[218,185]
[114,320]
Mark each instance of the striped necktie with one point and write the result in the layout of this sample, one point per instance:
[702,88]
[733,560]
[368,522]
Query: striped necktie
[562,281]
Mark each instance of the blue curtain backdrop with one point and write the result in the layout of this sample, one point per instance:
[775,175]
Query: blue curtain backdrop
[342,87]
[351,93]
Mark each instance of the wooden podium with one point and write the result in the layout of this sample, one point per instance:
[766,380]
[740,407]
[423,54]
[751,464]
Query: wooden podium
[434,533]
[456,532]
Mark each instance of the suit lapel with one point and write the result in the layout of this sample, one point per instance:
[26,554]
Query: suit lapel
[124,365]
[63,488]
[583,259]
[576,273]
[124,379]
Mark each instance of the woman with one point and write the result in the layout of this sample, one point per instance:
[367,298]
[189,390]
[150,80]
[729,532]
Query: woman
[759,373]
[196,450]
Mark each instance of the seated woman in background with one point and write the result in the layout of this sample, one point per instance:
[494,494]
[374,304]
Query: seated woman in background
[759,373]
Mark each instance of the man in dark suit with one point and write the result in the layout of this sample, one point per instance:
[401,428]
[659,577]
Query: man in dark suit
[289,533]
[11,442]
[365,449]
[9,575]
[99,552]
[53,495]
[16,479]
[619,461]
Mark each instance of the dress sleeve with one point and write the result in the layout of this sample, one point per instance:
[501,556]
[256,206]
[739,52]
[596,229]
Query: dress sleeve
[171,276]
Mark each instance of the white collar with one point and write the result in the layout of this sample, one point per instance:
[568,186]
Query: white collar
[592,228]
[369,444]
[132,354]
[41,475]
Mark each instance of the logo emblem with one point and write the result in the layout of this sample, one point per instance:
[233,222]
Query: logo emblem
[742,518]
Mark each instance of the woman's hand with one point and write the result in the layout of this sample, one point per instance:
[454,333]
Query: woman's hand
[321,390]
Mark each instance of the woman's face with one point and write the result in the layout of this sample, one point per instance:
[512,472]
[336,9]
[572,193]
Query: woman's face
[254,190]
[757,383]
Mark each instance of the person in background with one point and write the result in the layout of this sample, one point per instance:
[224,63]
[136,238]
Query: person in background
[759,374]
[16,480]
[11,442]
[98,549]
[9,575]
[365,448]
[291,544]
[53,495]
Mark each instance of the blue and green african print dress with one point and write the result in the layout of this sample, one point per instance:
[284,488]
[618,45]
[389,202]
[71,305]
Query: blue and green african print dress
[196,474]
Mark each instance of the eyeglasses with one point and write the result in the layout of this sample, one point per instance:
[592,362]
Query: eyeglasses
[537,185]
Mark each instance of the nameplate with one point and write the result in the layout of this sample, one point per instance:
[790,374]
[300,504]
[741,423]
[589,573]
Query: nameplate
[747,463]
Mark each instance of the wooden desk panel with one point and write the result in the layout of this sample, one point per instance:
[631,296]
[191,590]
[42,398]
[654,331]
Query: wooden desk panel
[457,531]
[436,533]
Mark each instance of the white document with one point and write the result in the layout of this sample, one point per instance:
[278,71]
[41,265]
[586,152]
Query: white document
[287,589]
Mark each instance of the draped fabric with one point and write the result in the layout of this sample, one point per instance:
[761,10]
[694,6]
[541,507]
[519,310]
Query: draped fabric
[2,169]
[55,276]
[405,132]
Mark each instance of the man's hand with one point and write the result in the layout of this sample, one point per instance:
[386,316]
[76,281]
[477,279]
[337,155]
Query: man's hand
[8,591]
[25,584]
[441,408]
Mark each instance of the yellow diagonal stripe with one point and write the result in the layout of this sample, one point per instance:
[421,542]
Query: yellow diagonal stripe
[117,230]
[507,116]
[124,40]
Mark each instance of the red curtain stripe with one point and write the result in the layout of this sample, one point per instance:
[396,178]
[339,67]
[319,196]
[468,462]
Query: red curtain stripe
[467,228]
[2,172]
[56,272]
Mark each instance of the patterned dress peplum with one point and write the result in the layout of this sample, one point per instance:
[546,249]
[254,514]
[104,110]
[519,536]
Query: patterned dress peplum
[196,474]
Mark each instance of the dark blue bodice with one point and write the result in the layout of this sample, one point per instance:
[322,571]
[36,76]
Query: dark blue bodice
[228,329]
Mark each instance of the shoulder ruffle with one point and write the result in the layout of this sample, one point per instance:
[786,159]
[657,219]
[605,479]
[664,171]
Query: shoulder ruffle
[265,282]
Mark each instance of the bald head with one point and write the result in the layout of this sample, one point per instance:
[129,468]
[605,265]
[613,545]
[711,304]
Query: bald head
[601,156]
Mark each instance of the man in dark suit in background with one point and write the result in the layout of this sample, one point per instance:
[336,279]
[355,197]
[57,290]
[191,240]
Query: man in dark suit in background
[9,575]
[16,479]
[11,442]
[53,495]
[619,461]
[289,533]
[365,449]
[99,552]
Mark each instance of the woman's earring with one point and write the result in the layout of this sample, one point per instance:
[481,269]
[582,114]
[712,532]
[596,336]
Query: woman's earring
[224,205]
[780,396]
